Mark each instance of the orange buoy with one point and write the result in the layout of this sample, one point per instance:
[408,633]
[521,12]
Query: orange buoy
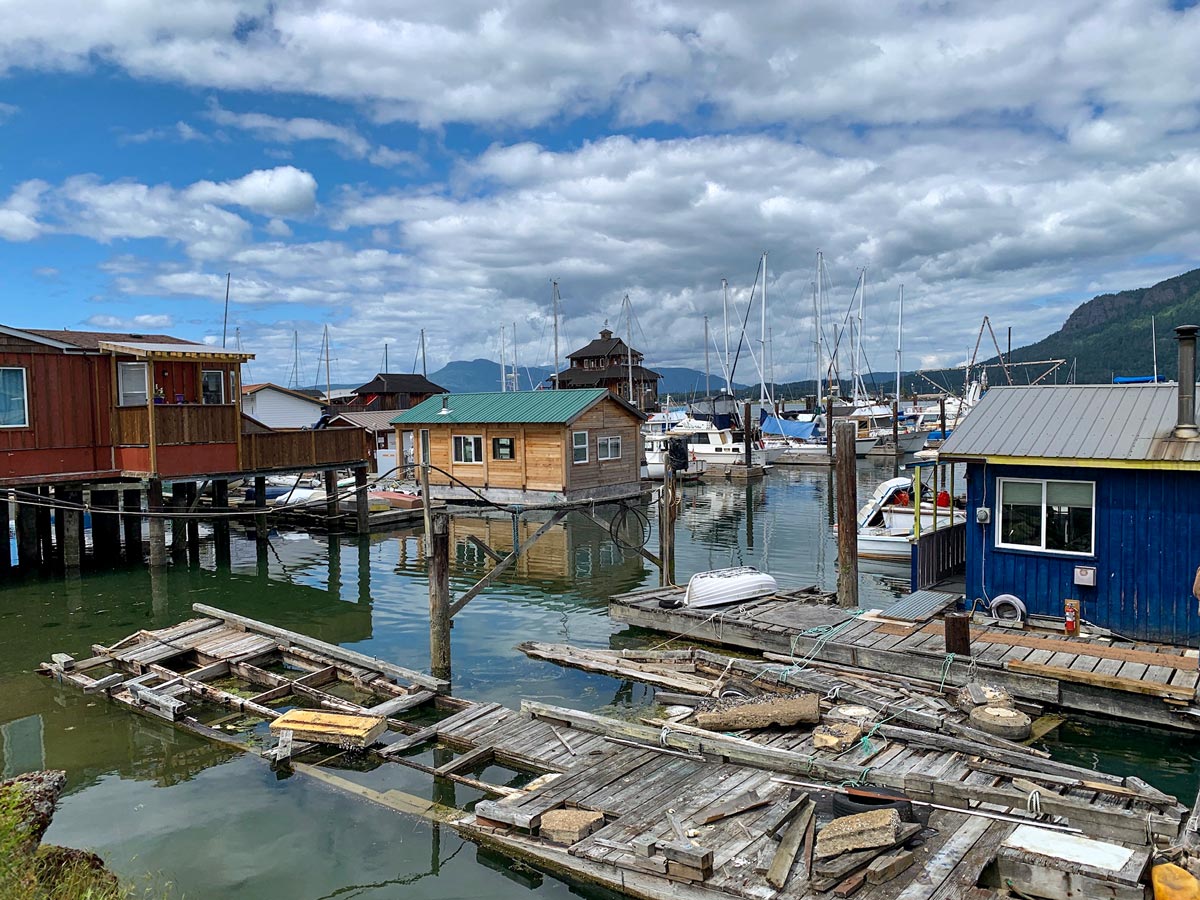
[1171,882]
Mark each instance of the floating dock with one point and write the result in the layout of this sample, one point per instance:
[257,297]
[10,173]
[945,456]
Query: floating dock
[660,808]
[1102,674]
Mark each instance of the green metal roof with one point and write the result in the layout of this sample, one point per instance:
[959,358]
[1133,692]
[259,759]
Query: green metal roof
[532,407]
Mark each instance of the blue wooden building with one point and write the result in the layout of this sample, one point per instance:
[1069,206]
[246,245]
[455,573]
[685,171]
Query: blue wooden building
[1088,492]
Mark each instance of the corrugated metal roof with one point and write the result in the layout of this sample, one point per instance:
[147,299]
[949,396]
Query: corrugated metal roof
[1125,422]
[371,419]
[533,407]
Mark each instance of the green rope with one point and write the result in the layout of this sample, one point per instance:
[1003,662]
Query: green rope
[946,664]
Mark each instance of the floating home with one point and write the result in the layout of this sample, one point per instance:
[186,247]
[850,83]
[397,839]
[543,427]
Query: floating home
[609,362]
[1090,494]
[280,408]
[118,415]
[527,446]
[391,391]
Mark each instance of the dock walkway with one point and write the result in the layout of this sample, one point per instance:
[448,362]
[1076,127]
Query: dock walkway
[676,811]
[1142,682]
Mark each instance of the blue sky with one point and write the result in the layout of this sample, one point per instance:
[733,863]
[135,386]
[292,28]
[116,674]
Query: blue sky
[381,170]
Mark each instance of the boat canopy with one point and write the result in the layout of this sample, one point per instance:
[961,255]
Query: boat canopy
[788,428]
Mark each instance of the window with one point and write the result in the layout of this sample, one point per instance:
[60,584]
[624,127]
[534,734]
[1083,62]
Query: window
[503,448]
[212,385]
[1046,515]
[468,449]
[14,399]
[608,448]
[131,384]
[579,446]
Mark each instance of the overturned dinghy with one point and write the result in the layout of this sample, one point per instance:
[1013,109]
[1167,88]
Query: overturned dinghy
[723,586]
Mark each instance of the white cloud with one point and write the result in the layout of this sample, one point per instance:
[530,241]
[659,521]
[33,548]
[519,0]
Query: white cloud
[8,110]
[134,323]
[18,214]
[282,191]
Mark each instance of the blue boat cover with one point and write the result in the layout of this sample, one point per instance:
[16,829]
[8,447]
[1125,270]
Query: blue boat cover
[1138,379]
[788,428]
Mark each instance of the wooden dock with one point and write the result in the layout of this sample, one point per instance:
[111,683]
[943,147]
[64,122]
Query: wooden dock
[658,808]
[1143,682]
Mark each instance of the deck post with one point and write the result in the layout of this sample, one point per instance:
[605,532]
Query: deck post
[439,595]
[131,521]
[958,633]
[28,549]
[5,532]
[59,526]
[220,503]
[332,504]
[45,528]
[192,524]
[260,502]
[158,525]
[72,528]
[362,510]
[106,528]
[847,515]
[666,526]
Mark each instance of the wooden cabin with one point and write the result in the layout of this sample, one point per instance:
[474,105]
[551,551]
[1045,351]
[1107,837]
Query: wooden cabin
[84,406]
[525,446]
[609,362]
[392,391]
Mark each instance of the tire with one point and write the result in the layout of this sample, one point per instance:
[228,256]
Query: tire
[1002,722]
[1008,606]
[849,806]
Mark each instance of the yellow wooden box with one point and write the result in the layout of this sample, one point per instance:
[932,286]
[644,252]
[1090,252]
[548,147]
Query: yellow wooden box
[323,727]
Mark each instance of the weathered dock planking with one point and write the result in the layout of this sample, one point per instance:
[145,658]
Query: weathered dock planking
[1101,674]
[660,810]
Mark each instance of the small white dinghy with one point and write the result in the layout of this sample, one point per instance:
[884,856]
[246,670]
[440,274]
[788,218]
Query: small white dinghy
[722,586]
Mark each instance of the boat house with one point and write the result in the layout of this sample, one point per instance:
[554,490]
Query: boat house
[1089,493]
[609,362]
[527,446]
[391,391]
[279,407]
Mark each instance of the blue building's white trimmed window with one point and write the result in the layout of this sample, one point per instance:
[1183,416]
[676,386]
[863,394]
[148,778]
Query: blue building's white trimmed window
[14,399]
[1057,516]
[468,448]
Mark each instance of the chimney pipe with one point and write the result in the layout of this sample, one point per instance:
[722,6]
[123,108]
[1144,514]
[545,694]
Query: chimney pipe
[1185,422]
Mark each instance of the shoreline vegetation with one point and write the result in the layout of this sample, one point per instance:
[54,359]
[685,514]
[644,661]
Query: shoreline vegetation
[31,870]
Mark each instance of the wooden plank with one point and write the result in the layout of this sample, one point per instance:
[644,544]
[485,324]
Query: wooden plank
[789,846]
[745,802]
[1112,682]
[397,705]
[333,651]
[937,867]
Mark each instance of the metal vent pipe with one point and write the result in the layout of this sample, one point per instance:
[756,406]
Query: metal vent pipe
[1185,420]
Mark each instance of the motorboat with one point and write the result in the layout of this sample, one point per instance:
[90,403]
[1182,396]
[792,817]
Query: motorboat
[654,451]
[717,446]
[799,440]
[720,587]
[887,521]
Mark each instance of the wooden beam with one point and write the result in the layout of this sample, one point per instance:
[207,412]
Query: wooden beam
[1111,682]
[485,549]
[504,564]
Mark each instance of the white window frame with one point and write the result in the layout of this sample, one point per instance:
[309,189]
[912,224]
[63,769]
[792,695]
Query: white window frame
[1030,548]
[604,447]
[24,394]
[144,393]
[575,447]
[458,442]
[220,373]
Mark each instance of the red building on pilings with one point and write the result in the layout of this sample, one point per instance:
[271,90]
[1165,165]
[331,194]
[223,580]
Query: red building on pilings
[117,415]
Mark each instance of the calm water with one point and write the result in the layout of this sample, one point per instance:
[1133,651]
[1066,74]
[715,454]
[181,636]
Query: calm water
[165,808]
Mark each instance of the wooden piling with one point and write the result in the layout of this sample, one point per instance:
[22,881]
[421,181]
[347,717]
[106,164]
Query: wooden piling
[59,526]
[178,523]
[6,560]
[29,551]
[106,527]
[958,633]
[131,522]
[158,525]
[192,524]
[220,503]
[260,502]
[746,432]
[332,503]
[362,509]
[72,534]
[666,526]
[847,515]
[45,526]
[439,595]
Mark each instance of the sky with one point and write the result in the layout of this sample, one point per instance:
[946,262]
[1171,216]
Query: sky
[380,168]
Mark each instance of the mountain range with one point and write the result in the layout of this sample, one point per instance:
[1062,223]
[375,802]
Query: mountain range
[462,376]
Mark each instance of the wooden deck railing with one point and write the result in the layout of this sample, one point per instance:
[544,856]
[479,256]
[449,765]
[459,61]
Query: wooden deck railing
[130,426]
[176,423]
[939,554]
[304,449]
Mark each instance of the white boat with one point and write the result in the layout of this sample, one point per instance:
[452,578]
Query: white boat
[887,521]
[716,446]
[723,586]
[654,451]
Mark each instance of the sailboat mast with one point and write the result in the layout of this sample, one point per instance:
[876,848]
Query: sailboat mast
[503,364]
[725,310]
[328,383]
[707,390]
[516,379]
[762,336]
[820,337]
[629,347]
[1154,346]
[858,382]
[899,343]
[554,307]
[424,366]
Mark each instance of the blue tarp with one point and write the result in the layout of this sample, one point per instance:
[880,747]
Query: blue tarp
[788,428]
[1138,379]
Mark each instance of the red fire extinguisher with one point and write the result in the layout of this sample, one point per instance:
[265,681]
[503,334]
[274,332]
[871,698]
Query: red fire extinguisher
[1071,616]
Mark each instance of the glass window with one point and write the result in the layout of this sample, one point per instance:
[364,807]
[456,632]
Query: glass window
[579,446]
[608,448]
[14,399]
[131,384]
[212,385]
[503,448]
[468,448]
[1046,515]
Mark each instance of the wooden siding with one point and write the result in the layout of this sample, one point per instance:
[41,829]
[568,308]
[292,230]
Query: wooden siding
[1146,553]
[194,423]
[304,449]
[606,419]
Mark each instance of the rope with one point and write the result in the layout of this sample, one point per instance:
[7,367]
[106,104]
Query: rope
[946,664]
[1033,804]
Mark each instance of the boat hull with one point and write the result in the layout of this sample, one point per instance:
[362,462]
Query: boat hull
[722,587]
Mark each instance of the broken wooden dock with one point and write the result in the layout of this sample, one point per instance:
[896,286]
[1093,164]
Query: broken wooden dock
[655,808]
[1102,674]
